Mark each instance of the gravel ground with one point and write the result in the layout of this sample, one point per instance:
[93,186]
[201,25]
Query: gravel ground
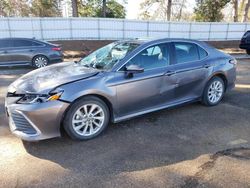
[190,146]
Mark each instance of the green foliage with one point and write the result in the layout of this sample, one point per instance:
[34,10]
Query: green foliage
[210,10]
[45,8]
[25,8]
[93,8]
[14,8]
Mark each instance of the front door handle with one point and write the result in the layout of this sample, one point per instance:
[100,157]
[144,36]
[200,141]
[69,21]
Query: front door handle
[169,73]
[207,66]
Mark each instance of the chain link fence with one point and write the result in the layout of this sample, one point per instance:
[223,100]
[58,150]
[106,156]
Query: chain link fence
[115,29]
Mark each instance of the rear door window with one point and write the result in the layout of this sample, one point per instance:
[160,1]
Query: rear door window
[4,43]
[185,52]
[22,43]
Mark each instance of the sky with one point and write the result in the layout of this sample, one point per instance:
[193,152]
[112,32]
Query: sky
[133,8]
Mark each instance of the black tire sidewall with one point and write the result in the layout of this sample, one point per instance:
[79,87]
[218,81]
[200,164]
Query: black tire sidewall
[34,58]
[205,99]
[248,52]
[67,123]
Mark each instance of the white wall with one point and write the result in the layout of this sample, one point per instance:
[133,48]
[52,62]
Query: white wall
[102,28]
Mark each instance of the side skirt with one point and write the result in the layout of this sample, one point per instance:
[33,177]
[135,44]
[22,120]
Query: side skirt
[166,106]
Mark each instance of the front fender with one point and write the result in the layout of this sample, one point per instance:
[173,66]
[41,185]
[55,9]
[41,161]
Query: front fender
[92,86]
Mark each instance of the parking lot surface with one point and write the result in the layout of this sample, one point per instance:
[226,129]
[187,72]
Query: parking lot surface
[189,146]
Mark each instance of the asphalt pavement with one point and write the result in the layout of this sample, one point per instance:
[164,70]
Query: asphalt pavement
[189,146]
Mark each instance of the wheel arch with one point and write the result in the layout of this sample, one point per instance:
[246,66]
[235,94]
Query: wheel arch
[222,76]
[101,97]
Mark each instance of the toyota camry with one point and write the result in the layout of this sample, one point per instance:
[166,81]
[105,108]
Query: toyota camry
[119,81]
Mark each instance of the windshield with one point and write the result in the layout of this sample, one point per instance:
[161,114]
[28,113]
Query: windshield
[107,56]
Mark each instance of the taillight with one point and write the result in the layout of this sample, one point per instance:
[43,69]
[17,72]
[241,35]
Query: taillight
[56,49]
[233,61]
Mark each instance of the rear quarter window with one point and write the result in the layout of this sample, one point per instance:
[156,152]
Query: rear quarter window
[34,43]
[203,54]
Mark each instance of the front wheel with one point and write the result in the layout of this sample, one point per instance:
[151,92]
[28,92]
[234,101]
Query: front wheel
[213,92]
[86,118]
[248,52]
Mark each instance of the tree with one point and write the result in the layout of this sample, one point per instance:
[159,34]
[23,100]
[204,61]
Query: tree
[113,10]
[163,8]
[45,8]
[235,3]
[210,10]
[9,8]
[104,8]
[241,9]
[182,5]
[170,10]
[74,8]
[94,8]
[245,17]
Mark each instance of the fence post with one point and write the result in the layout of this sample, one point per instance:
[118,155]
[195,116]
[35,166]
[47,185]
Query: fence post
[123,29]
[70,27]
[209,31]
[31,20]
[8,23]
[41,28]
[147,28]
[169,29]
[227,31]
[98,28]
[190,27]
[246,27]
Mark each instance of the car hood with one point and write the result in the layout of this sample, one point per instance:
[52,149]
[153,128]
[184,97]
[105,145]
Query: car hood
[44,79]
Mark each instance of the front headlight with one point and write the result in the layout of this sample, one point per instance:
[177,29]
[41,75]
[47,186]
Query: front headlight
[40,98]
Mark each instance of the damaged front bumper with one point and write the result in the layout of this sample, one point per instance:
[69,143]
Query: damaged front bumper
[36,121]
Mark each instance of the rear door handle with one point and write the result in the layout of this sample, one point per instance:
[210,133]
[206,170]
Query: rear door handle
[169,73]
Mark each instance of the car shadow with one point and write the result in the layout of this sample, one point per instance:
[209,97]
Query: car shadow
[157,139]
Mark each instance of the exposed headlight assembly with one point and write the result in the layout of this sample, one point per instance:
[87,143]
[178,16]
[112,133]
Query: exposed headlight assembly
[31,98]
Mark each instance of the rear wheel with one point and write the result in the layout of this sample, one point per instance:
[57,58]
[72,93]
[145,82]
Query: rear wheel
[248,52]
[214,91]
[40,61]
[86,118]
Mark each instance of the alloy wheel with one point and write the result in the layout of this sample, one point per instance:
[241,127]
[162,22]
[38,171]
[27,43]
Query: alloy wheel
[40,61]
[88,119]
[215,91]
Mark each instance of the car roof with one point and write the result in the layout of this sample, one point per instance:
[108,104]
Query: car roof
[156,40]
[31,39]
[13,38]
[152,41]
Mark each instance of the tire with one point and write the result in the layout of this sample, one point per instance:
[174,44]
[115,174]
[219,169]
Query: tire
[40,61]
[212,97]
[78,125]
[248,52]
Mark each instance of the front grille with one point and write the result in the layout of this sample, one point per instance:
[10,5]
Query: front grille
[22,124]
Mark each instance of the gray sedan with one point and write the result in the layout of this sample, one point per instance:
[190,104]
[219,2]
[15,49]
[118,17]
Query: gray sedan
[24,51]
[119,81]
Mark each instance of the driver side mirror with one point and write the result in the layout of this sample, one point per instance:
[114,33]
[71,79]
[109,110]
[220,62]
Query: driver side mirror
[130,70]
